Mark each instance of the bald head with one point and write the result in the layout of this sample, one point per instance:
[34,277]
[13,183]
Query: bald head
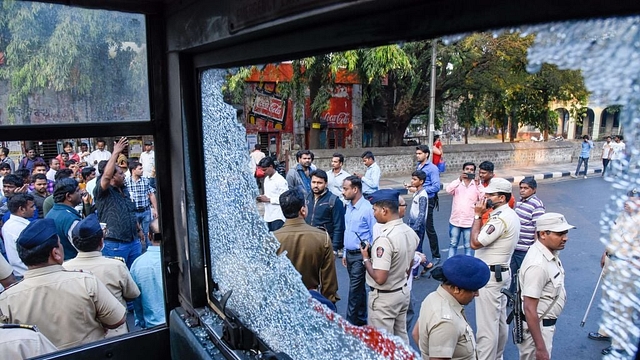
[402,206]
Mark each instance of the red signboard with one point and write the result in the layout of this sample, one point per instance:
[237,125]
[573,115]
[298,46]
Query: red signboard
[340,108]
[269,106]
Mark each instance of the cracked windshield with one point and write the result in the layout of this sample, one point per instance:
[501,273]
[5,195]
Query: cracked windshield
[466,195]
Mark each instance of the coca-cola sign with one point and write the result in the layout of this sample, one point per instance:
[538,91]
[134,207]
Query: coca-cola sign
[269,106]
[342,118]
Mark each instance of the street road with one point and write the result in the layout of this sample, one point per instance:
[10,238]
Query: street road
[582,202]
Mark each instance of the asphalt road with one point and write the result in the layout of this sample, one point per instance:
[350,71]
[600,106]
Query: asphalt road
[582,202]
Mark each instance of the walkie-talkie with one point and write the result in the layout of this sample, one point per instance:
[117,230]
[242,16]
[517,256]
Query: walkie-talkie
[363,244]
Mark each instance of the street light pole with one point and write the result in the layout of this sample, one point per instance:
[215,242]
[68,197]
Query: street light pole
[432,91]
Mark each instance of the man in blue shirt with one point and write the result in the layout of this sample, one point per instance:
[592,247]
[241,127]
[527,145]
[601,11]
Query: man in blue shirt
[587,145]
[371,178]
[431,187]
[146,272]
[300,176]
[358,223]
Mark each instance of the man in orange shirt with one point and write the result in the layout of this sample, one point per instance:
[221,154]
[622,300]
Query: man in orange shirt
[486,174]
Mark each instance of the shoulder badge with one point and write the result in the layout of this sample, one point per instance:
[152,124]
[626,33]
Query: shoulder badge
[490,229]
[14,284]
[496,213]
[379,251]
[19,326]
[446,316]
[116,258]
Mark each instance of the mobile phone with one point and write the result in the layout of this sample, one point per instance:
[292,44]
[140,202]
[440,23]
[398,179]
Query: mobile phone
[489,204]
[363,244]
[471,176]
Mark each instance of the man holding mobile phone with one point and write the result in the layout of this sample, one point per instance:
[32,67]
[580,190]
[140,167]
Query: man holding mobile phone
[465,194]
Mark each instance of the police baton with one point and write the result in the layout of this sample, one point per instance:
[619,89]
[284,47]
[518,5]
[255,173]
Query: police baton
[584,319]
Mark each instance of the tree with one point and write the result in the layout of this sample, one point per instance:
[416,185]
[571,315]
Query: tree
[68,51]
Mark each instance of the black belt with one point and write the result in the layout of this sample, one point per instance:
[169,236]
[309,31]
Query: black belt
[354,251]
[116,240]
[142,209]
[387,291]
[493,268]
[549,322]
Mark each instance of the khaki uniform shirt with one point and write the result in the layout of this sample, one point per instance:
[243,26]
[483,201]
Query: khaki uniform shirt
[499,236]
[542,277]
[443,328]
[69,307]
[113,273]
[5,268]
[311,253]
[24,344]
[393,251]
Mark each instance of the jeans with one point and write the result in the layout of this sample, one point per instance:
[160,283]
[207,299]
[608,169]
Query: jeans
[516,262]
[357,306]
[605,163]
[455,233]
[129,251]
[586,165]
[144,219]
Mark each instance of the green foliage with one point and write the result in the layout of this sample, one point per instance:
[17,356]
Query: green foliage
[84,54]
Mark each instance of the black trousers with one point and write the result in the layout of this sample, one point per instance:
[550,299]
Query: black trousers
[431,229]
[357,305]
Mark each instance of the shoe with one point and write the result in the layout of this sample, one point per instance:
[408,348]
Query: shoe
[573,176]
[426,269]
[340,252]
[585,176]
[598,336]
[436,261]
[607,350]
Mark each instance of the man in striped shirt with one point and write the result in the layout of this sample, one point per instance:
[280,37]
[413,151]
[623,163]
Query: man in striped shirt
[529,209]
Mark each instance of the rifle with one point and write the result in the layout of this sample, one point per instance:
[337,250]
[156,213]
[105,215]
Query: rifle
[516,313]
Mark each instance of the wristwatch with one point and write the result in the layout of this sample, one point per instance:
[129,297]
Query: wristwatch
[365,261]
[476,217]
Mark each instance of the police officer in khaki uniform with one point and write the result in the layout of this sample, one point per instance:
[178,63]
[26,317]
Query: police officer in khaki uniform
[494,244]
[541,279]
[442,330]
[23,342]
[88,238]
[6,273]
[70,308]
[389,265]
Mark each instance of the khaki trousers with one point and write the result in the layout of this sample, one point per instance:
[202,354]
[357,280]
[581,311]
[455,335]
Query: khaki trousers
[527,348]
[388,311]
[491,318]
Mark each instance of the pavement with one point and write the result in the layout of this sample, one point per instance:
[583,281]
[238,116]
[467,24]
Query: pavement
[514,175]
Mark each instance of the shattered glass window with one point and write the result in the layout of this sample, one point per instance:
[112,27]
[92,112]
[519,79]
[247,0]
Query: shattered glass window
[268,295]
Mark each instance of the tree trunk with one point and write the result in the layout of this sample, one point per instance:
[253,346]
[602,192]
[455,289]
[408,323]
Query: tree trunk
[396,135]
[466,134]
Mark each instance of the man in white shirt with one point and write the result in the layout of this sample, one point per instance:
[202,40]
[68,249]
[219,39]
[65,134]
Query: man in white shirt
[54,166]
[21,207]
[336,176]
[274,186]
[98,155]
[618,147]
[148,160]
[371,178]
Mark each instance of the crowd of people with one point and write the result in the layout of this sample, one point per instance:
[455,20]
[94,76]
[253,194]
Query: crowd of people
[506,244]
[80,248]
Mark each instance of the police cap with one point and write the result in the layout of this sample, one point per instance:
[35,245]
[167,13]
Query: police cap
[384,195]
[37,233]
[466,272]
[88,227]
